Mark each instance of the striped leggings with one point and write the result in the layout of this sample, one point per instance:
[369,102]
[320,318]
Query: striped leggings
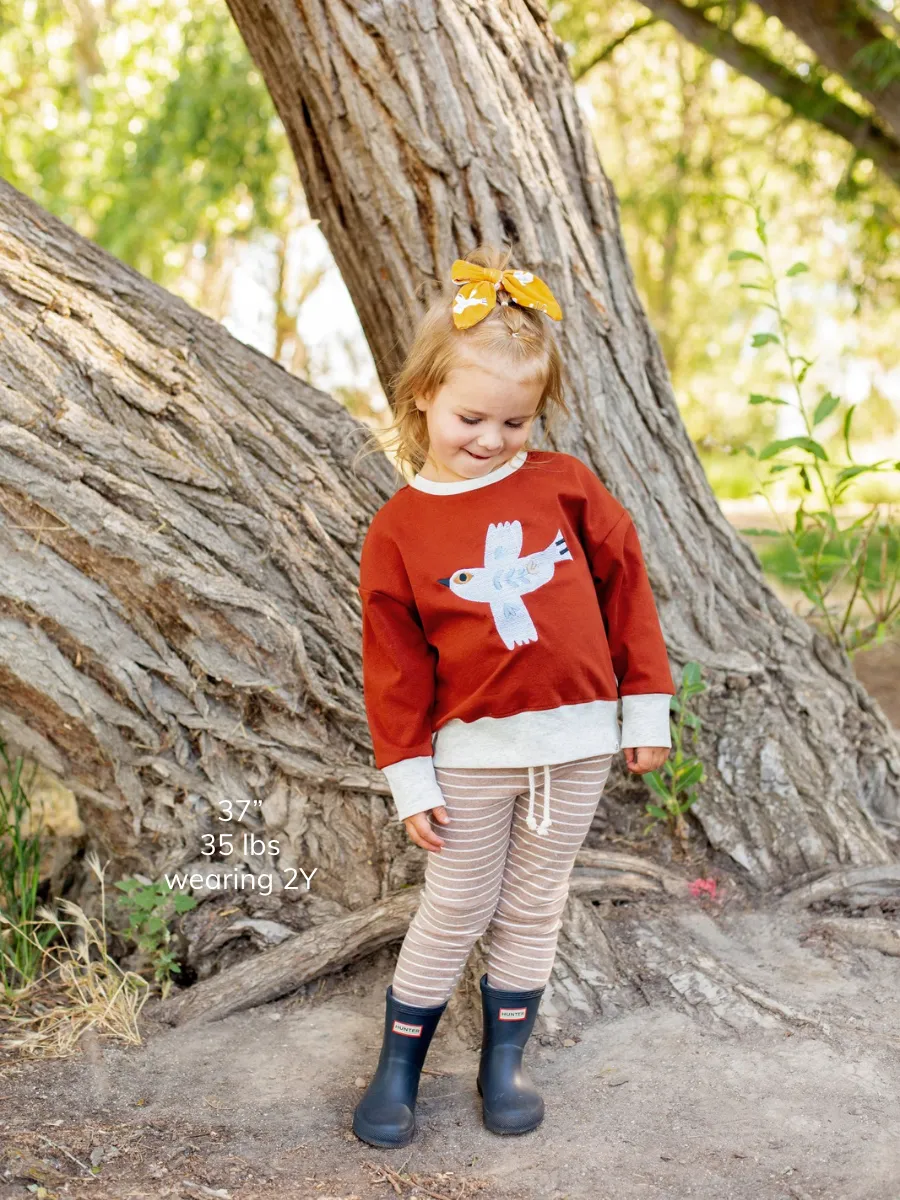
[496,868]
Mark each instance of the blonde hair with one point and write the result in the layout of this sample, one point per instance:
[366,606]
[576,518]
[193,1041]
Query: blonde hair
[509,332]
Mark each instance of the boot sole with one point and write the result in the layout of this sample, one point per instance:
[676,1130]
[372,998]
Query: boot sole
[384,1143]
[494,1126]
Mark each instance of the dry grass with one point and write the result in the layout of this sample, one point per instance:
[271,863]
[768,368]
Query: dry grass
[78,987]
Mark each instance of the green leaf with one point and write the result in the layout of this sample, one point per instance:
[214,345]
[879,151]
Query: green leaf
[736,255]
[760,339]
[797,268]
[825,407]
[846,431]
[802,443]
[691,673]
[807,363]
[756,398]
[689,775]
[657,812]
[656,785]
[852,472]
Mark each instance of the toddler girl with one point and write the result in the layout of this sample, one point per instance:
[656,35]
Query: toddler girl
[506,607]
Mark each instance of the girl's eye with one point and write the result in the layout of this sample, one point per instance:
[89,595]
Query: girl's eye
[475,420]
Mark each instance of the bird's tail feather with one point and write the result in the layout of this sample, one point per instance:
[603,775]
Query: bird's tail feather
[558,550]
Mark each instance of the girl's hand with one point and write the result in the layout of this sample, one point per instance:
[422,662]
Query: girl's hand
[641,759]
[420,829]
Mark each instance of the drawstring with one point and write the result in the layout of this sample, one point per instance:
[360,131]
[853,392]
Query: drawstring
[530,821]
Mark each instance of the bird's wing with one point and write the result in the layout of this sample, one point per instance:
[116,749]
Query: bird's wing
[503,543]
[513,622]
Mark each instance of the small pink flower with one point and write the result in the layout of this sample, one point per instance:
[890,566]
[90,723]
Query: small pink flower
[697,886]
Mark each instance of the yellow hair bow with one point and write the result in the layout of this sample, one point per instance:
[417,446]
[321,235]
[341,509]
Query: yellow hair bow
[478,295]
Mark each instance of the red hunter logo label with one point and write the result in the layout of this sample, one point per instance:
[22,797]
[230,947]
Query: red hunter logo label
[512,1014]
[406,1029]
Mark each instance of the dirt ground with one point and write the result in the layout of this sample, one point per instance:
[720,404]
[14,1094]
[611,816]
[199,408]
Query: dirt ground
[656,1104]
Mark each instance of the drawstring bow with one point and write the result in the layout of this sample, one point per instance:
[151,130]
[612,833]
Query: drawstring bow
[530,821]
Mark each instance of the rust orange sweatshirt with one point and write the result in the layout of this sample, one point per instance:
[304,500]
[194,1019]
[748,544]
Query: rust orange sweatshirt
[503,618]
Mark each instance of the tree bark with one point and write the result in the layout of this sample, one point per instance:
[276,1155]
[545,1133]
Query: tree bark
[420,130]
[180,526]
[179,533]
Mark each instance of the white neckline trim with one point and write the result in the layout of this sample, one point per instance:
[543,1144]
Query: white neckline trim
[468,485]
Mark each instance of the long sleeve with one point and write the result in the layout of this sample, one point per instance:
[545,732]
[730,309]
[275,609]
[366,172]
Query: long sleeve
[636,644]
[398,679]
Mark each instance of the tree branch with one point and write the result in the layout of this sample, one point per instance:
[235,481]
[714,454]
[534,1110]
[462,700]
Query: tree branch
[807,98]
[846,42]
[580,71]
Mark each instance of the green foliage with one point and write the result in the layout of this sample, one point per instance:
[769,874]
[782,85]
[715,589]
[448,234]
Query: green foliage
[20,857]
[149,907]
[676,132]
[850,571]
[675,784]
[146,126]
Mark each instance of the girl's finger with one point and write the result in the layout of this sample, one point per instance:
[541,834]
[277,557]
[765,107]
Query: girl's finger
[421,833]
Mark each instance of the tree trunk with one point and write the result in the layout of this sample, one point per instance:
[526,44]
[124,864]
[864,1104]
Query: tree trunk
[179,533]
[180,527]
[420,131]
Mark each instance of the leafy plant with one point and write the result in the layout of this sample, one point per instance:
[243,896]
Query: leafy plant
[675,783]
[20,858]
[149,908]
[862,554]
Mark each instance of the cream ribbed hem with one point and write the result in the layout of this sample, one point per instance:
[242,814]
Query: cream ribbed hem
[529,739]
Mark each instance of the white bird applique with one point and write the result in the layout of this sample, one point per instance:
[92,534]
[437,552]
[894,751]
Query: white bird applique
[505,578]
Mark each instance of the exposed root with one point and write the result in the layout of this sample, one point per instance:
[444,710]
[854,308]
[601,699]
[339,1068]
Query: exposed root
[855,887]
[870,933]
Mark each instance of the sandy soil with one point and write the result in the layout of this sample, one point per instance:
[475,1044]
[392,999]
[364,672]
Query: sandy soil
[657,1104]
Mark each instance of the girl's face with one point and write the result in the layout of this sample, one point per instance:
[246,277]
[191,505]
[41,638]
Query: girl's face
[479,418]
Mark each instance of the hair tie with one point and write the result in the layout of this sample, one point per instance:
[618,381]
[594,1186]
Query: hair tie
[478,294]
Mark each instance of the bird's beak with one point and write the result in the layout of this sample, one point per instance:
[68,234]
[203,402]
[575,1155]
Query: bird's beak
[445,582]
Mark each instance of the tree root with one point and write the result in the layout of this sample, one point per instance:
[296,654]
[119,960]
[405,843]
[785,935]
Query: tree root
[870,933]
[610,957]
[330,946]
[855,887]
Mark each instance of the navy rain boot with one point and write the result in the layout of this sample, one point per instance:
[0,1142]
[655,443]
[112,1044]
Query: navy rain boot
[386,1114]
[510,1102]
